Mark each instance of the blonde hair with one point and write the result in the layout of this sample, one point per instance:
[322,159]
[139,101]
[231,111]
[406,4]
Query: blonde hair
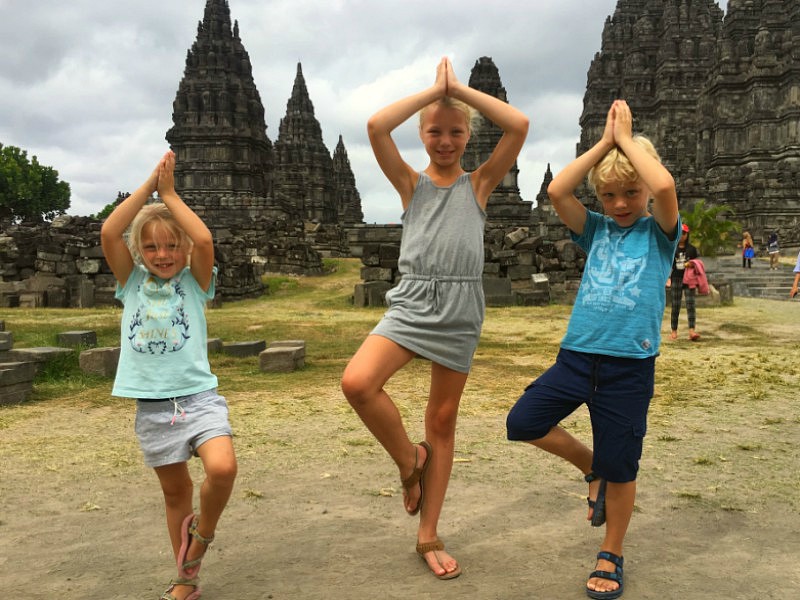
[615,166]
[158,216]
[470,114]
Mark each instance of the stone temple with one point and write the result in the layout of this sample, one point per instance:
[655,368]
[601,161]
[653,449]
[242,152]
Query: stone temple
[719,94]
[719,97]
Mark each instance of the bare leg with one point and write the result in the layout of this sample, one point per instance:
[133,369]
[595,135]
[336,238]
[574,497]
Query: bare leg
[440,431]
[373,364]
[219,464]
[176,484]
[620,499]
[563,444]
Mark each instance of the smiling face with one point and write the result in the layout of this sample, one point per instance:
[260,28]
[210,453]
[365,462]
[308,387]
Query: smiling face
[444,133]
[624,201]
[161,251]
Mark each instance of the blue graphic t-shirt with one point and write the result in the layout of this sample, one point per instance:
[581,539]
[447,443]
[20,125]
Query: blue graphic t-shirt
[620,302]
[163,337]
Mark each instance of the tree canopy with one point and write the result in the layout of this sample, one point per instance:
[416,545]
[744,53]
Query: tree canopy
[29,191]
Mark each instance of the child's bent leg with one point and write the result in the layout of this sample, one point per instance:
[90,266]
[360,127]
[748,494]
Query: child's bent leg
[373,364]
[440,430]
[176,484]
[219,464]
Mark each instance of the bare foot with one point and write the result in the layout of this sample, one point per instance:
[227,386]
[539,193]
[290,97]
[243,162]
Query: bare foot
[694,336]
[673,334]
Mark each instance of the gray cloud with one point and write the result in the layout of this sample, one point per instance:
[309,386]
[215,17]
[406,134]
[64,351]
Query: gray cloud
[88,85]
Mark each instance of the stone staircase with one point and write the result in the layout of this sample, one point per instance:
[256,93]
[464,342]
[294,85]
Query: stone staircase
[755,282]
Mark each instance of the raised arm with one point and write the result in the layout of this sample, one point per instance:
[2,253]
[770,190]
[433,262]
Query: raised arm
[561,190]
[382,123]
[513,123]
[654,175]
[202,261]
[116,251]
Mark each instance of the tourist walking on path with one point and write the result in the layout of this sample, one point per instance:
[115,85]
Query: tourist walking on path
[774,250]
[437,309]
[607,357]
[165,275]
[748,250]
[685,253]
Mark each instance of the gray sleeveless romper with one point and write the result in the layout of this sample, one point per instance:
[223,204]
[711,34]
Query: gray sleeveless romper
[437,308]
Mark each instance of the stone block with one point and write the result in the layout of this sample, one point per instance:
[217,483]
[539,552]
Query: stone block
[2,325]
[6,340]
[301,344]
[99,361]
[32,300]
[71,339]
[370,293]
[214,345]
[496,286]
[242,349]
[38,355]
[16,381]
[282,359]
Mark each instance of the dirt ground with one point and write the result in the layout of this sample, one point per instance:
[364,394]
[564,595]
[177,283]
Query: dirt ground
[317,513]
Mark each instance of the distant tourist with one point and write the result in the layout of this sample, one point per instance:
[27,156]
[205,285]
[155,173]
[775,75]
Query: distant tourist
[607,357]
[165,275]
[685,255]
[774,251]
[793,291]
[748,250]
[437,309]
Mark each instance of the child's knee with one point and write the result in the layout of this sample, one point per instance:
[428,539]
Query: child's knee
[356,388]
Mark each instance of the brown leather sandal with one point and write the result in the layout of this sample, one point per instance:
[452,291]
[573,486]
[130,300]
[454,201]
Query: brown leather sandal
[417,475]
[436,546]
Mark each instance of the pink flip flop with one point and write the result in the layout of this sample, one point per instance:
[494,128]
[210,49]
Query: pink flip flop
[185,540]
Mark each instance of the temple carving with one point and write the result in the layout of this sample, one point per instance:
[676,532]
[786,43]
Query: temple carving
[719,95]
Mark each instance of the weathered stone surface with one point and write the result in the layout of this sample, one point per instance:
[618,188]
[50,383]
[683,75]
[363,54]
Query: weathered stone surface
[242,349]
[85,338]
[718,99]
[282,357]
[99,361]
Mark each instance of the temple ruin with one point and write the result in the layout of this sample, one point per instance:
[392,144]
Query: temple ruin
[719,94]
[719,97]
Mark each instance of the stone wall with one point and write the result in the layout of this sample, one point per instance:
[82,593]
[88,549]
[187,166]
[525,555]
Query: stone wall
[521,266]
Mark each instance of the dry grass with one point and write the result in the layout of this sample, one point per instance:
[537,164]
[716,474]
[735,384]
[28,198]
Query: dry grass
[725,412]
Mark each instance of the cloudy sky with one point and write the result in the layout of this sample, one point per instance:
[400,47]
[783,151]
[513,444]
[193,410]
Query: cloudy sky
[87,85]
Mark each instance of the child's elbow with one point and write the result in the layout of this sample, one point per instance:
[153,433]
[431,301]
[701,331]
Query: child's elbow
[665,187]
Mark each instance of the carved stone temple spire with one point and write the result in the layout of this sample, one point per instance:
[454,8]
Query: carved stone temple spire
[717,97]
[505,206]
[349,200]
[303,164]
[219,133]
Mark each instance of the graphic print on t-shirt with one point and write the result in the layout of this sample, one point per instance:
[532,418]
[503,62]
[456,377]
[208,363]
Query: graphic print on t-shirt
[160,323]
[611,276]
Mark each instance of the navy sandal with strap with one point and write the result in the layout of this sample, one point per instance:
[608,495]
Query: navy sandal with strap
[598,506]
[615,576]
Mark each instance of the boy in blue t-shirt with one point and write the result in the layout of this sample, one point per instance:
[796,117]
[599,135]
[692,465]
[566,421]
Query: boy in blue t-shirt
[607,357]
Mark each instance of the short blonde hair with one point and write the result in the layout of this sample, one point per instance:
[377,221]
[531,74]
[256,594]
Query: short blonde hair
[470,114]
[615,166]
[159,216]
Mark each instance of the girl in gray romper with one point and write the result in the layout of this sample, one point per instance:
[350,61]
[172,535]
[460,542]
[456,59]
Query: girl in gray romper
[436,311]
